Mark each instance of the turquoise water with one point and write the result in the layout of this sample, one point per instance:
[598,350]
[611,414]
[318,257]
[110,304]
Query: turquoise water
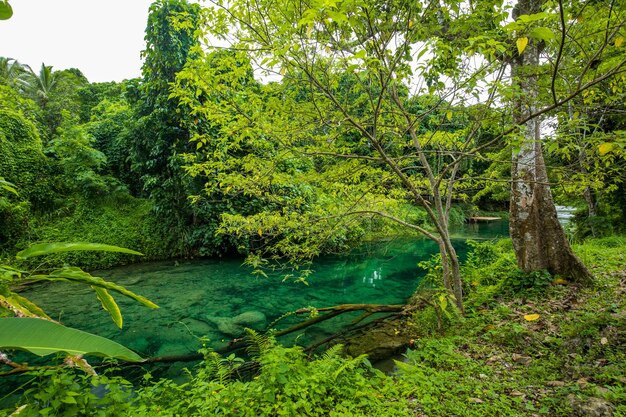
[204,298]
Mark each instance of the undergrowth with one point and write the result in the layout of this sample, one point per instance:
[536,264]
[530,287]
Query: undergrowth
[120,220]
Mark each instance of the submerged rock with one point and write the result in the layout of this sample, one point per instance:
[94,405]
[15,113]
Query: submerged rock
[197,327]
[253,319]
[235,326]
[171,349]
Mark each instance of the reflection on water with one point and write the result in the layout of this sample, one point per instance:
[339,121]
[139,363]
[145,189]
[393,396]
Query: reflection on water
[206,298]
[373,277]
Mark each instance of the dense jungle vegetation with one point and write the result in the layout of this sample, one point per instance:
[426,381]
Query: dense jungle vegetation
[281,132]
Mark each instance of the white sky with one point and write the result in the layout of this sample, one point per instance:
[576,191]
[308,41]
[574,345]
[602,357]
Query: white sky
[102,38]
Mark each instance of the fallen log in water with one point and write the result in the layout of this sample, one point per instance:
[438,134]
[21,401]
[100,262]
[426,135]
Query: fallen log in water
[331,312]
[239,343]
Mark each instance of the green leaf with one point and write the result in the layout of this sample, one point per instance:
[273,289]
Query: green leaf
[443,302]
[109,304]
[25,303]
[5,185]
[528,18]
[521,44]
[48,248]
[605,148]
[337,16]
[74,274]
[6,11]
[359,55]
[543,34]
[43,337]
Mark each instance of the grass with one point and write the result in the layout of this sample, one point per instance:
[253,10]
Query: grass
[555,350]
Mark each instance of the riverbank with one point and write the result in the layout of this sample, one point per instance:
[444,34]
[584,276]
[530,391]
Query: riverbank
[529,345]
[550,348]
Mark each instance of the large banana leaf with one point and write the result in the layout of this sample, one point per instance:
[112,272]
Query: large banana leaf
[109,304]
[48,248]
[43,337]
[21,305]
[74,274]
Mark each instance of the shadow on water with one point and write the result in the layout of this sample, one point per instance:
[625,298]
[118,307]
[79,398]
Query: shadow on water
[206,298]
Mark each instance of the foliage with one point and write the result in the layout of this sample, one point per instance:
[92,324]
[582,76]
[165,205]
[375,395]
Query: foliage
[55,92]
[13,213]
[23,164]
[31,329]
[43,337]
[40,86]
[70,392]
[495,362]
[117,219]
[547,351]
[48,248]
[156,138]
[445,382]
[80,162]
[589,150]
[90,96]
[13,304]
[12,100]
[388,125]
[491,271]
[325,122]
[110,126]
[287,384]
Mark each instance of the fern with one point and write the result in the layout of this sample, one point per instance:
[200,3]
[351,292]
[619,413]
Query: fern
[332,352]
[215,368]
[257,344]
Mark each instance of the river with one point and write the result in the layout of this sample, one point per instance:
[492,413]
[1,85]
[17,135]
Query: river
[199,298]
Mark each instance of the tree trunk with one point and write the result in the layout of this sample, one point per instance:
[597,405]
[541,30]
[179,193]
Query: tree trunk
[538,238]
[451,270]
[591,210]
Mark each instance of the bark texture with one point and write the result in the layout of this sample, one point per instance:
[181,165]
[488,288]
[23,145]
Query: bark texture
[538,238]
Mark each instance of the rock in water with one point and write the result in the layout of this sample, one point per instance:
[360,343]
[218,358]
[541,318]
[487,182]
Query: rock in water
[235,326]
[253,319]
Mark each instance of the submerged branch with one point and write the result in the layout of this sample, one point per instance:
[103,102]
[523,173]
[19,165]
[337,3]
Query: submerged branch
[239,343]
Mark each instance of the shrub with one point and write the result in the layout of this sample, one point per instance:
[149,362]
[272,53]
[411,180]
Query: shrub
[287,385]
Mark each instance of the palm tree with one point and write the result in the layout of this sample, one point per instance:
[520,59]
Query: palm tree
[10,71]
[39,86]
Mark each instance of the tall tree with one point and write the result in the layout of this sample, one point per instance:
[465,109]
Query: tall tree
[358,67]
[348,71]
[157,138]
[10,71]
[538,238]
[40,86]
